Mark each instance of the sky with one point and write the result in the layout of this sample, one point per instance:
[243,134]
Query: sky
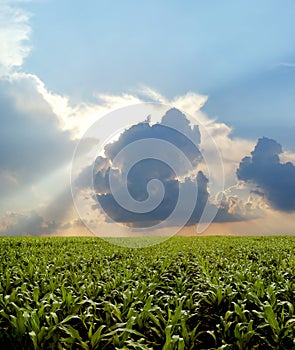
[226,70]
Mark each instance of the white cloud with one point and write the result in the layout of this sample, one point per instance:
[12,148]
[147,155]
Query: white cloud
[287,156]
[78,118]
[286,64]
[14,36]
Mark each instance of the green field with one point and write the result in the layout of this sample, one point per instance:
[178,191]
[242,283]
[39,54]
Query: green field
[186,293]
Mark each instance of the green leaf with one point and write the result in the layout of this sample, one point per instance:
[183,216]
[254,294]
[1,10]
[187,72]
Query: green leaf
[271,318]
[96,337]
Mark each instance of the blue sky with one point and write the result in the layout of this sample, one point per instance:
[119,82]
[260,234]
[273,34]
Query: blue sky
[72,59]
[239,53]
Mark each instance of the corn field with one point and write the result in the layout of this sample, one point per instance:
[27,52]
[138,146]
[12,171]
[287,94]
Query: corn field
[186,293]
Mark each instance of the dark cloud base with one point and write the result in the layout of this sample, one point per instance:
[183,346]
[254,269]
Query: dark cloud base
[273,180]
[148,169]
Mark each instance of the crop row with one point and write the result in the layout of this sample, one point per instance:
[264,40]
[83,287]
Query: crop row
[186,293]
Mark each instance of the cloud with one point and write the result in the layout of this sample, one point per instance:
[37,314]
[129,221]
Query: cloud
[35,158]
[34,223]
[31,143]
[286,64]
[14,36]
[38,135]
[77,118]
[17,223]
[271,178]
[231,148]
[175,129]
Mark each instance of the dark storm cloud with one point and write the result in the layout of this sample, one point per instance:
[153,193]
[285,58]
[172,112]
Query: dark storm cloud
[147,169]
[273,179]
[174,128]
[172,187]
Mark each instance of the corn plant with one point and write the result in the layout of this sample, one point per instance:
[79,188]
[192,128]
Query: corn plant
[185,293]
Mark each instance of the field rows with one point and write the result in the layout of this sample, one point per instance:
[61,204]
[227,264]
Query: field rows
[186,293]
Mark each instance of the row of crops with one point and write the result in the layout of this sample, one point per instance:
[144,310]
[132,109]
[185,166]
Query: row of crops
[186,293]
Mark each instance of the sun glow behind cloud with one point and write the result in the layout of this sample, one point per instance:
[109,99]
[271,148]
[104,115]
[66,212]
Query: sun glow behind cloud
[76,122]
[35,175]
